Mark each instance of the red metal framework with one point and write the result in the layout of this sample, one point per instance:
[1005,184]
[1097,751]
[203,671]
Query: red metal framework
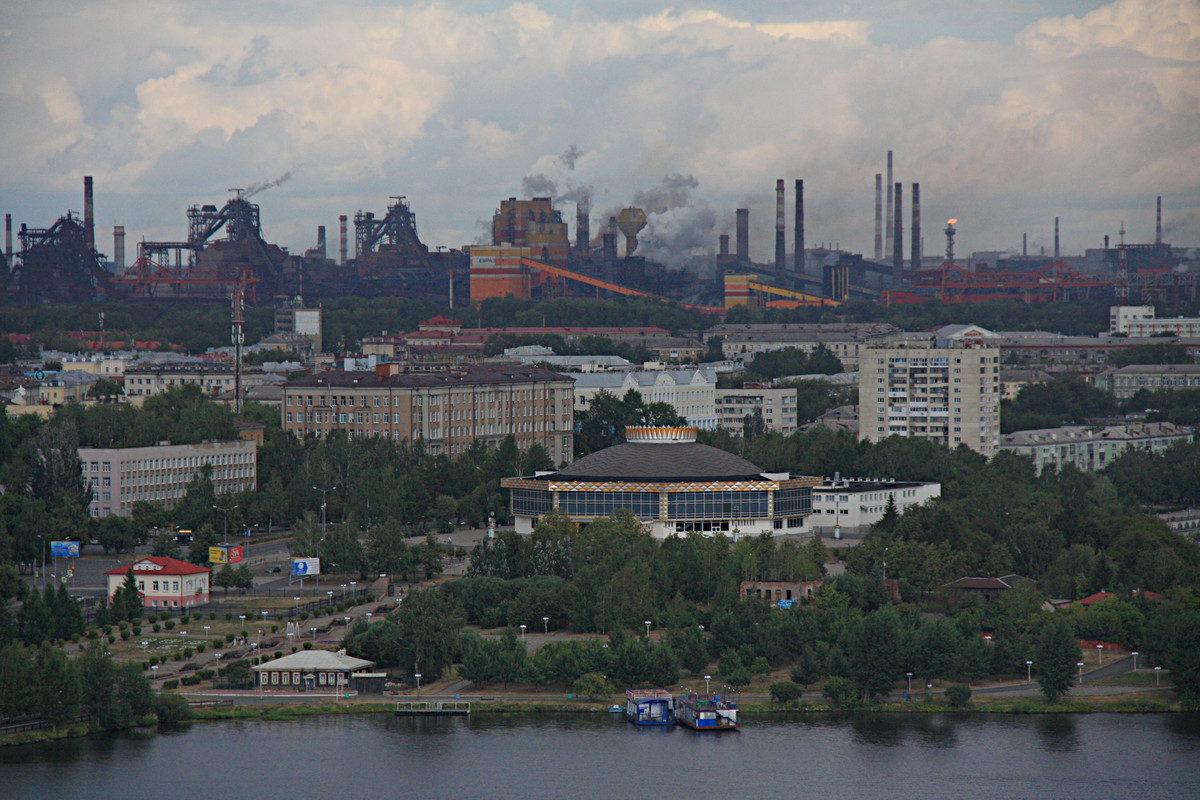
[1056,281]
[146,278]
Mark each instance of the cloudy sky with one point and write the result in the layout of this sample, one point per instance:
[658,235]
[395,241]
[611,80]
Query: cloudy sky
[1008,113]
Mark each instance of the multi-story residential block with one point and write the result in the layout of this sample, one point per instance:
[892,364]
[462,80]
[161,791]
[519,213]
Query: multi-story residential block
[777,407]
[743,342]
[159,475]
[446,411]
[946,391]
[852,505]
[1092,448]
[1127,381]
[1141,321]
[691,392]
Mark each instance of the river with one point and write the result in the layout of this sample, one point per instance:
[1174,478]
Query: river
[977,756]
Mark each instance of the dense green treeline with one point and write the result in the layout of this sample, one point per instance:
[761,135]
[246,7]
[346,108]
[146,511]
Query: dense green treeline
[1069,400]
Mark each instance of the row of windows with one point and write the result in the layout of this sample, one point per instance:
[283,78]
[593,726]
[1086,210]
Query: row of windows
[531,503]
[789,502]
[644,505]
[717,505]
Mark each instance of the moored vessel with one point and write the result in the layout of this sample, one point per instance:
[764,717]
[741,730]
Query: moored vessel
[706,712]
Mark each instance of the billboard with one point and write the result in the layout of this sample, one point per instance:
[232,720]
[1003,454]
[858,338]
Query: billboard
[225,554]
[304,567]
[64,549]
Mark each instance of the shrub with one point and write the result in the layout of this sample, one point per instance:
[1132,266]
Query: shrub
[294,648]
[190,680]
[151,619]
[107,629]
[91,634]
[278,654]
[958,695]
[156,627]
[137,630]
[761,666]
[212,615]
[229,638]
[188,652]
[123,624]
[164,615]
[125,635]
[785,692]
[228,615]
[739,677]
[592,685]
[201,647]
[842,692]
[303,615]
[185,619]
[177,657]
[308,645]
[112,640]
[171,684]
[145,666]
[171,708]
[153,660]
[169,624]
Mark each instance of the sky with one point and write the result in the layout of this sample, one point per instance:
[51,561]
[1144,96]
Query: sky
[1008,113]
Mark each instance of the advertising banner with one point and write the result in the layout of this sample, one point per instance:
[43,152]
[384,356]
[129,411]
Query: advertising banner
[217,555]
[64,549]
[305,567]
[234,554]
[225,554]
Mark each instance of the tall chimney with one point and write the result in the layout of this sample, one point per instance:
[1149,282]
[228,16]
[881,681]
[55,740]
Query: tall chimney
[321,241]
[610,250]
[743,236]
[345,244]
[89,220]
[1158,224]
[916,227]
[878,216]
[897,229]
[8,237]
[583,234]
[1056,238]
[800,226]
[780,230]
[724,244]
[119,247]
[889,219]
[1024,244]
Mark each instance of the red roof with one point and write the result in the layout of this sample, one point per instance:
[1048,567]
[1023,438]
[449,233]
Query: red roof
[440,320]
[165,566]
[1100,597]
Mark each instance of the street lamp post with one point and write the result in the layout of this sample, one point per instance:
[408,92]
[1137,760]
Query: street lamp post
[225,511]
[1135,655]
[418,677]
[545,626]
[297,599]
[909,674]
[313,630]
[329,594]
[368,615]
[352,585]
[706,680]
[1080,665]
[1099,654]
[154,672]
[343,592]
[647,629]
[323,493]
[522,634]
[1157,672]
[1028,670]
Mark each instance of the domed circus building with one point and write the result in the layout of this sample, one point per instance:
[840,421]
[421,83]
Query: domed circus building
[672,484]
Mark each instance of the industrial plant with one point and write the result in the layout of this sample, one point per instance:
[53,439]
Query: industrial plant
[532,255]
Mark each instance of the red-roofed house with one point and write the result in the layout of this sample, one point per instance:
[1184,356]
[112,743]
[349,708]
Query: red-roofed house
[164,582]
[1101,596]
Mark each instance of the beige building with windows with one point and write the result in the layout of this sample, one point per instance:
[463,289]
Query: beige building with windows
[1092,448]
[159,475]
[447,411]
[917,389]
[777,406]
[144,380]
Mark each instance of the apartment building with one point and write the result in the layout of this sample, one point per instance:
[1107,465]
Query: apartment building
[446,411]
[1141,321]
[1127,381]
[147,379]
[844,340]
[1092,448]
[853,505]
[777,406]
[159,475]
[946,391]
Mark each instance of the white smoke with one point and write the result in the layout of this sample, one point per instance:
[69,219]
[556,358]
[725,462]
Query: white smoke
[255,188]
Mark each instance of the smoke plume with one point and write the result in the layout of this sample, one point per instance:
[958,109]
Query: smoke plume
[255,188]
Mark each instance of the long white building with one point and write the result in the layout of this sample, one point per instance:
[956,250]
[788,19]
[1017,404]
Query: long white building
[159,475]
[691,392]
[852,505]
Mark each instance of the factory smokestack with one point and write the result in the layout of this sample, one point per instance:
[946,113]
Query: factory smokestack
[610,250]
[878,216]
[743,236]
[1158,224]
[582,229]
[897,229]
[916,226]
[800,226]
[780,230]
[724,244]
[8,237]
[345,244]
[1025,244]
[321,241]
[89,220]
[119,248]
[889,219]
[1056,237]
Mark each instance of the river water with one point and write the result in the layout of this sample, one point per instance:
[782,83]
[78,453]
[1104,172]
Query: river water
[927,756]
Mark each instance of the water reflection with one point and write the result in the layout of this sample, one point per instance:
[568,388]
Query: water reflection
[1057,732]
[936,730]
[874,728]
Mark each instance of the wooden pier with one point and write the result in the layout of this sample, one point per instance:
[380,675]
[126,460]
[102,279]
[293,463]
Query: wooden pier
[433,708]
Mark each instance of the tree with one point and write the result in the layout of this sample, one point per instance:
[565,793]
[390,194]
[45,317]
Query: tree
[593,686]
[99,687]
[784,692]
[225,578]
[958,695]
[842,692]
[59,692]
[874,652]
[1057,654]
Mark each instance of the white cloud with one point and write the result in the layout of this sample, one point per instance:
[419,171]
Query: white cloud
[1084,117]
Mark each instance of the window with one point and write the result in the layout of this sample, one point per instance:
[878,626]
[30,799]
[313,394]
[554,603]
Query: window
[644,505]
[790,502]
[717,505]
[531,502]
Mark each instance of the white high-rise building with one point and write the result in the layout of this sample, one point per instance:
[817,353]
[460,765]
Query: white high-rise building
[946,391]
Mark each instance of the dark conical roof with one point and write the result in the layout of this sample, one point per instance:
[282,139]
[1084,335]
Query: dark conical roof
[660,462]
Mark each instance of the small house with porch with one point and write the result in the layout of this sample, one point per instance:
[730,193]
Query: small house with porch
[318,671]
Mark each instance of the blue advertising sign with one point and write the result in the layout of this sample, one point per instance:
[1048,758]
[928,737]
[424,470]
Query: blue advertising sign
[64,549]
[303,567]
